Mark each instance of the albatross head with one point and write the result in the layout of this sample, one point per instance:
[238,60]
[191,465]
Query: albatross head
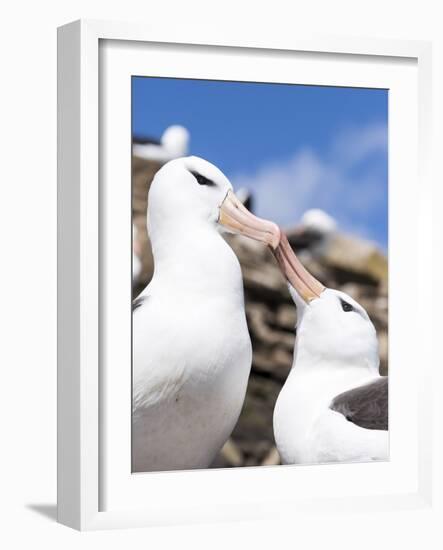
[190,191]
[331,326]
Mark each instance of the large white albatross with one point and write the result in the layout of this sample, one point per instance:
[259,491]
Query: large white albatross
[191,346]
[334,404]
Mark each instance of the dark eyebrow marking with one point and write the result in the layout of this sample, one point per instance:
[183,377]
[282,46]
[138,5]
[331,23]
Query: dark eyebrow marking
[202,180]
[138,302]
[345,306]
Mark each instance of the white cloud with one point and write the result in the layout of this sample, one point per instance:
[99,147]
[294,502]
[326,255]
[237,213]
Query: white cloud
[356,144]
[348,180]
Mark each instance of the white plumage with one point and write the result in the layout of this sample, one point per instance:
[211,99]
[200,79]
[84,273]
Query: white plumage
[336,351]
[191,346]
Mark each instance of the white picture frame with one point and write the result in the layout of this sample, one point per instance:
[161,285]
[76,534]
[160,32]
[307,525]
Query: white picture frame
[96,491]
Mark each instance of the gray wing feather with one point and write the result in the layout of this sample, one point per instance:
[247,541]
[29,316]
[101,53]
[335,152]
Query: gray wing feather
[365,406]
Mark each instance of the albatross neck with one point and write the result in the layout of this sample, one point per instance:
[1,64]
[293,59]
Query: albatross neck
[322,364]
[196,258]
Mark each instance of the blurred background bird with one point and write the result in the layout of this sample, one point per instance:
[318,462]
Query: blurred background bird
[137,252]
[174,143]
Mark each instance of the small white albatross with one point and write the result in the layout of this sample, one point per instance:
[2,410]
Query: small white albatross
[334,404]
[191,346]
[173,144]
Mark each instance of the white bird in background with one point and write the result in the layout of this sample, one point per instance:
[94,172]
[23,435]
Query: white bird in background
[173,144]
[136,254]
[334,404]
[318,221]
[191,346]
[314,232]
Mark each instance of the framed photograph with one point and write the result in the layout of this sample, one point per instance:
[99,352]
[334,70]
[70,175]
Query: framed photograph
[238,232]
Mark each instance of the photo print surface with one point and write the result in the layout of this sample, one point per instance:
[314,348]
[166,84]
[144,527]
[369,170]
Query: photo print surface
[259,274]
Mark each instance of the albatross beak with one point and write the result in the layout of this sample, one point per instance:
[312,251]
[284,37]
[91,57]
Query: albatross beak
[305,284]
[234,216]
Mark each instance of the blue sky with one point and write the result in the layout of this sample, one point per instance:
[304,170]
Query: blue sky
[296,147]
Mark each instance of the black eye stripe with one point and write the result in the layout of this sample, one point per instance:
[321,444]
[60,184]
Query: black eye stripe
[202,180]
[345,306]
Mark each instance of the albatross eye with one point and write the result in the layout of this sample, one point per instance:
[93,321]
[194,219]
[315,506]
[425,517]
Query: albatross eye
[345,306]
[202,180]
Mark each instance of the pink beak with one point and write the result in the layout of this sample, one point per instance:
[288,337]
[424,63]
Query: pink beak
[297,275]
[235,217]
